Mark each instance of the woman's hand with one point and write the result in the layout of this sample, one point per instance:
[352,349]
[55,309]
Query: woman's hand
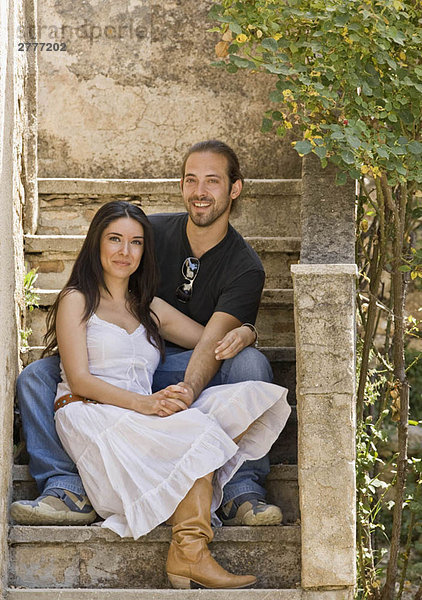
[233,342]
[163,403]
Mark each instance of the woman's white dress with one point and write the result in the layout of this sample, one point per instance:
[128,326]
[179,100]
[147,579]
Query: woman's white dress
[137,468]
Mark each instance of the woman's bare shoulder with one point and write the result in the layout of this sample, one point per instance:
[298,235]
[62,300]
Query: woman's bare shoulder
[72,299]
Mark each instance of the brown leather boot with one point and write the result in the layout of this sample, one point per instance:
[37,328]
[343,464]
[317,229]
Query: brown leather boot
[189,560]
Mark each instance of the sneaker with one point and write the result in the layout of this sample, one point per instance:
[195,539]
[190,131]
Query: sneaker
[56,507]
[249,510]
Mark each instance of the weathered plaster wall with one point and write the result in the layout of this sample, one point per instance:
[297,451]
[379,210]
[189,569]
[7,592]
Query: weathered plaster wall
[13,124]
[135,89]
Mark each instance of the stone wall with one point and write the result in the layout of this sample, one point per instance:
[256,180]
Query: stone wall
[13,175]
[134,89]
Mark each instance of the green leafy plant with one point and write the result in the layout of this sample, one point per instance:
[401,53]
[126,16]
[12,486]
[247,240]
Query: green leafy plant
[347,75]
[31,302]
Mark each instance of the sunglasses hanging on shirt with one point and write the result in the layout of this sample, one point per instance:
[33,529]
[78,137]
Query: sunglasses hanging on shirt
[190,269]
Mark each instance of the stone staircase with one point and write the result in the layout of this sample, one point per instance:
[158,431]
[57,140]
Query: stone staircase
[89,562]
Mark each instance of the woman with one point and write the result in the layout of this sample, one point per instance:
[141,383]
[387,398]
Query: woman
[143,458]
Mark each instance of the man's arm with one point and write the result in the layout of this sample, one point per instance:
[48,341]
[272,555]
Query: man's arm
[203,365]
[242,297]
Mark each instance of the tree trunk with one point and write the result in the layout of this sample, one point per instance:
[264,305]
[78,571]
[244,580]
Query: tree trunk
[399,296]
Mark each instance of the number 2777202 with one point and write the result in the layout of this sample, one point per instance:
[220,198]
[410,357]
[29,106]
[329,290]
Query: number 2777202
[46,46]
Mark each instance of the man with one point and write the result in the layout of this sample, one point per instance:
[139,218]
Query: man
[211,274]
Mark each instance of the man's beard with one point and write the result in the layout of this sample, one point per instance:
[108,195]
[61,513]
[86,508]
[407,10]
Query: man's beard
[208,218]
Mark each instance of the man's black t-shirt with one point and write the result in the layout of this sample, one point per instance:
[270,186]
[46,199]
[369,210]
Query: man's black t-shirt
[230,277]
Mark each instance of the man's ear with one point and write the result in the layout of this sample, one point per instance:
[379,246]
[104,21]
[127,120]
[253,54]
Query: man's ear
[181,184]
[236,189]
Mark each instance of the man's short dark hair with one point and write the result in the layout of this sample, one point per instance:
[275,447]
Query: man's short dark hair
[217,147]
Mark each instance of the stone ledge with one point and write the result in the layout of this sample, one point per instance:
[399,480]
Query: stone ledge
[163,594]
[289,535]
[136,187]
[140,594]
[275,297]
[279,354]
[73,243]
[278,472]
[324,269]
[274,354]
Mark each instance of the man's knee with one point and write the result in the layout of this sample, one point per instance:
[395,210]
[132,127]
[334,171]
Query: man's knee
[38,376]
[248,365]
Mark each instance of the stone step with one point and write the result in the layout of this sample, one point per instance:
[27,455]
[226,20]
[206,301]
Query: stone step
[275,317]
[282,488]
[283,362]
[53,257]
[267,207]
[51,557]
[139,594]
[93,557]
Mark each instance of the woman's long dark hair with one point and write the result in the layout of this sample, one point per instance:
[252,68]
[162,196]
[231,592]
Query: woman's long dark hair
[87,274]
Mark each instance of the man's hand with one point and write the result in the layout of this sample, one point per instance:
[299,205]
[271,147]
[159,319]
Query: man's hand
[161,403]
[181,392]
[234,342]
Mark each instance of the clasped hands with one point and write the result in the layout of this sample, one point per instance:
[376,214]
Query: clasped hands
[178,397]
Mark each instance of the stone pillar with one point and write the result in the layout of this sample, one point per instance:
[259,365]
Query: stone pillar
[324,301]
[13,70]
[325,354]
[327,215]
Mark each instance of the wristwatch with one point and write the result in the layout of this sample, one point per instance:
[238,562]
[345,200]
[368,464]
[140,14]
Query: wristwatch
[254,329]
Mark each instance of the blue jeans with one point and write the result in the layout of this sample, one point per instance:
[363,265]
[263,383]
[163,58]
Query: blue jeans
[51,467]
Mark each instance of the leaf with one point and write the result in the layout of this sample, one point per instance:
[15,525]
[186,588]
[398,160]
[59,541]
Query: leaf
[348,157]
[405,268]
[382,152]
[341,178]
[223,19]
[278,69]
[337,135]
[366,89]
[415,147]
[378,483]
[303,147]
[406,116]
[215,10]
[320,151]
[276,96]
[270,44]
[267,125]
[397,36]
[235,28]
[353,141]
[355,174]
[242,63]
